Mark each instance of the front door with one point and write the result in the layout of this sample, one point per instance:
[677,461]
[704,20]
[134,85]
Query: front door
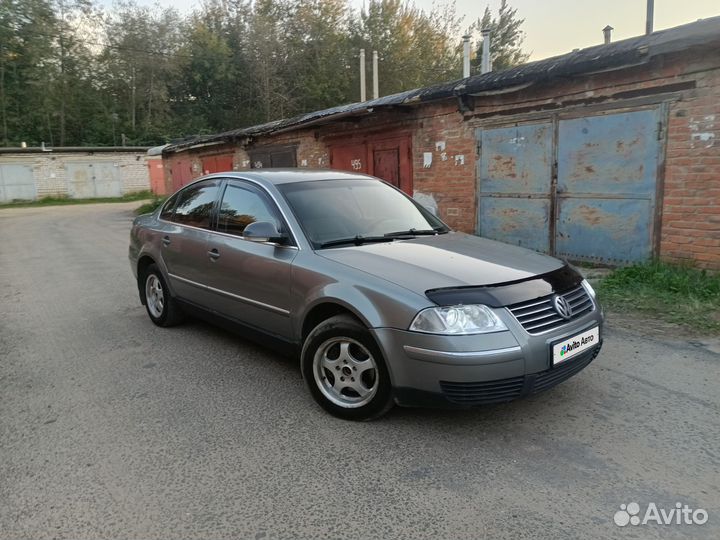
[249,281]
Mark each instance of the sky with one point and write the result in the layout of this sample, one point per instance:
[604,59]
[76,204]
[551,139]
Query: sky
[555,27]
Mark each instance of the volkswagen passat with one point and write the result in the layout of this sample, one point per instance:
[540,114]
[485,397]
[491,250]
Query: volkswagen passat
[381,301]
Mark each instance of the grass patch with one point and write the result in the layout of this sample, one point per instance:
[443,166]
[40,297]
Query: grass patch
[150,206]
[62,200]
[675,293]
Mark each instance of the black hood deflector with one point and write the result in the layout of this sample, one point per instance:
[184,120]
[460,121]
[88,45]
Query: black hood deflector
[507,294]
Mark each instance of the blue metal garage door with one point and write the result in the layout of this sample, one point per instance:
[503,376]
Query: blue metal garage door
[600,204]
[514,175]
[607,169]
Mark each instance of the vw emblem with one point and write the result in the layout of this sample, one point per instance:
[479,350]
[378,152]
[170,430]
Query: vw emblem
[563,307]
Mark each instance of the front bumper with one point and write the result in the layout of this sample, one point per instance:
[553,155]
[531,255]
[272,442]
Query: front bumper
[463,371]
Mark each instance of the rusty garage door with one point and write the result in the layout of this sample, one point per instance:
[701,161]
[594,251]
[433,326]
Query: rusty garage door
[218,163]
[514,174]
[386,156]
[17,182]
[273,156]
[181,171]
[581,188]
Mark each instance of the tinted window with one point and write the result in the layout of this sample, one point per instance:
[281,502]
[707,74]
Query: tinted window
[240,207]
[336,209]
[169,207]
[195,205]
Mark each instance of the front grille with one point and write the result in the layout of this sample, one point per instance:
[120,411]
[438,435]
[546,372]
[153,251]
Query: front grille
[500,391]
[482,393]
[538,316]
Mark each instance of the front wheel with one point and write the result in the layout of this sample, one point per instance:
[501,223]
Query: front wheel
[345,371]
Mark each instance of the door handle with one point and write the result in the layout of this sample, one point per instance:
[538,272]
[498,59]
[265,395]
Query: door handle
[214,254]
[166,240]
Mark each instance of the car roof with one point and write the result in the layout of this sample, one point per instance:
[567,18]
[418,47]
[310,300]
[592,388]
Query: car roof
[289,176]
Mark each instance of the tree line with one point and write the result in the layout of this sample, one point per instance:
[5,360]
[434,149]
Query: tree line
[72,73]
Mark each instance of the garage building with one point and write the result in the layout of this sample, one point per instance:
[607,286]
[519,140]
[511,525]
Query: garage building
[608,154]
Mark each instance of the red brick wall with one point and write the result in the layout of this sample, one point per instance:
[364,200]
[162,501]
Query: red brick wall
[691,205]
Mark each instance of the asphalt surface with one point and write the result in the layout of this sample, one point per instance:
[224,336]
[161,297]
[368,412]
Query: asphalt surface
[113,428]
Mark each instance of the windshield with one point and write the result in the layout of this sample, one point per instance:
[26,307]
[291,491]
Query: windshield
[337,212]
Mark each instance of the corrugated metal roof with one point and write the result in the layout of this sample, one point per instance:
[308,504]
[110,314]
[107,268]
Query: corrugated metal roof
[71,149]
[603,57]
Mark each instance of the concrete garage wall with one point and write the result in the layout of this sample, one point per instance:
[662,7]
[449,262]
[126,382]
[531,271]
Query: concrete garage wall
[75,174]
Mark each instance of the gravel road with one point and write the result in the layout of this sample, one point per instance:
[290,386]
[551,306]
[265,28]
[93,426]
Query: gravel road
[113,428]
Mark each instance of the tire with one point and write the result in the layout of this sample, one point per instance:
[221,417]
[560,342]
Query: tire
[345,370]
[162,308]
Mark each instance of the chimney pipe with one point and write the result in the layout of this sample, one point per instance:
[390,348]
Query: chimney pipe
[466,56]
[363,97]
[650,17]
[607,33]
[486,65]
[376,88]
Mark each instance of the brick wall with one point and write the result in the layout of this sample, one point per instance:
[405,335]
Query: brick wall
[691,204]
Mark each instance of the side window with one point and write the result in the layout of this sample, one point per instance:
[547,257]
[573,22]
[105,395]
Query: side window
[169,208]
[195,205]
[240,207]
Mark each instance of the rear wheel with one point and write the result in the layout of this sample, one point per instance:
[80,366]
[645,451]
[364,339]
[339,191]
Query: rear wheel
[345,371]
[161,306]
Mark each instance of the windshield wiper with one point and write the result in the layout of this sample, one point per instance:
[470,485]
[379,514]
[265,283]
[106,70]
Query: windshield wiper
[417,232]
[357,240]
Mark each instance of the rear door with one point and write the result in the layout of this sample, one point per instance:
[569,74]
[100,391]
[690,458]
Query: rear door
[249,281]
[184,240]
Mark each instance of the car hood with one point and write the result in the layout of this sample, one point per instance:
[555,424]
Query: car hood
[446,260]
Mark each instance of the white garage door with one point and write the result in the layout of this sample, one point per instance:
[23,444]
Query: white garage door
[16,182]
[93,179]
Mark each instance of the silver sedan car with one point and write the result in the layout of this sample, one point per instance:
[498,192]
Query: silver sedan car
[381,301]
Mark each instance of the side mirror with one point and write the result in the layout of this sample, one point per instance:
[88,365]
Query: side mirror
[263,231]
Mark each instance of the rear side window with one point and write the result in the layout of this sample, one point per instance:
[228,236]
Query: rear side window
[240,207]
[195,205]
[169,208]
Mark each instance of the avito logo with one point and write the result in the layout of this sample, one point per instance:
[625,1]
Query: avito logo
[575,344]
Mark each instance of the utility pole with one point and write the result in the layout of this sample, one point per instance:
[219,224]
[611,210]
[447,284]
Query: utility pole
[376,88]
[650,17]
[363,97]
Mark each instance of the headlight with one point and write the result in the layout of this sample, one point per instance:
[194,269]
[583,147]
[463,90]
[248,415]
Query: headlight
[588,288]
[457,320]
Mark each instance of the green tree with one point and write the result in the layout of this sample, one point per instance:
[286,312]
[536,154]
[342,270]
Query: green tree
[416,48]
[318,47]
[139,66]
[506,38]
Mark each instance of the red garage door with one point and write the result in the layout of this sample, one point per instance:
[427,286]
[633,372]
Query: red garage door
[215,164]
[180,171]
[386,157]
